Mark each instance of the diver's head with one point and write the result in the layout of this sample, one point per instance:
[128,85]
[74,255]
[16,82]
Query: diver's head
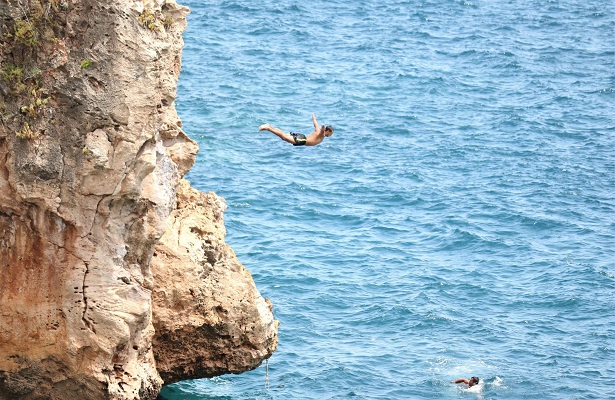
[473,381]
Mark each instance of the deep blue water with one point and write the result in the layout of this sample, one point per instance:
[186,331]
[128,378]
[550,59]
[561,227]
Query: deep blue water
[460,221]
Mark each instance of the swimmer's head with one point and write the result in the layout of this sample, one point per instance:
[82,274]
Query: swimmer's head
[473,381]
[328,130]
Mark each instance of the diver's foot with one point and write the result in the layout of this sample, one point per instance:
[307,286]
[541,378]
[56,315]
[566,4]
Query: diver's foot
[264,127]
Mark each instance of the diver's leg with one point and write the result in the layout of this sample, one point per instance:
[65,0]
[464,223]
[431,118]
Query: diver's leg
[278,132]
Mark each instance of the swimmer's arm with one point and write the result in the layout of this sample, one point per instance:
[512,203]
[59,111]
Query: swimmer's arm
[314,122]
[462,380]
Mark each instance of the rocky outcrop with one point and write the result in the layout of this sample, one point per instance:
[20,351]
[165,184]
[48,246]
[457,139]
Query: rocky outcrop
[91,155]
[208,316]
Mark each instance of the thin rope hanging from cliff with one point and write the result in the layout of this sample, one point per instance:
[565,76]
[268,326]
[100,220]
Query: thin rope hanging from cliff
[267,374]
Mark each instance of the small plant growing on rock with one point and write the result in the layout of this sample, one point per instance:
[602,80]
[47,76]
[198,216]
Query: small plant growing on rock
[34,73]
[150,20]
[155,20]
[85,64]
[13,76]
[25,33]
[26,132]
[37,103]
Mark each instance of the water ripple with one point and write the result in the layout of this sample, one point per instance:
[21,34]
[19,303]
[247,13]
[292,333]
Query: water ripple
[460,220]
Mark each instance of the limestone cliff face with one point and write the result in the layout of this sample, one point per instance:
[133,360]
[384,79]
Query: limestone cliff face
[91,156]
[206,307]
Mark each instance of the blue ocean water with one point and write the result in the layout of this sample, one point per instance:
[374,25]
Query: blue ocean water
[459,222]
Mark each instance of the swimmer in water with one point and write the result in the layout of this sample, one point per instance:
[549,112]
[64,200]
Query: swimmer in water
[473,381]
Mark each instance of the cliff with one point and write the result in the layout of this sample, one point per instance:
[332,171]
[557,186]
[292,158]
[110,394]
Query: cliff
[110,277]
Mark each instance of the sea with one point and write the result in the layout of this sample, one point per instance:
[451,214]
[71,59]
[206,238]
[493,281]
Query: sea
[459,222]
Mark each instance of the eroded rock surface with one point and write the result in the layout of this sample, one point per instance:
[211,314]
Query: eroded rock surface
[91,155]
[205,304]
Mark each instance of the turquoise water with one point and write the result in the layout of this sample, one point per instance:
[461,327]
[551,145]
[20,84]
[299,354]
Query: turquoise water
[460,221]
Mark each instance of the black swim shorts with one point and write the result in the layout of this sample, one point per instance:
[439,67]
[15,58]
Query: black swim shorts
[299,138]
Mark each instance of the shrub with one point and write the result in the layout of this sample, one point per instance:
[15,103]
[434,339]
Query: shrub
[26,132]
[154,20]
[12,74]
[148,19]
[25,33]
